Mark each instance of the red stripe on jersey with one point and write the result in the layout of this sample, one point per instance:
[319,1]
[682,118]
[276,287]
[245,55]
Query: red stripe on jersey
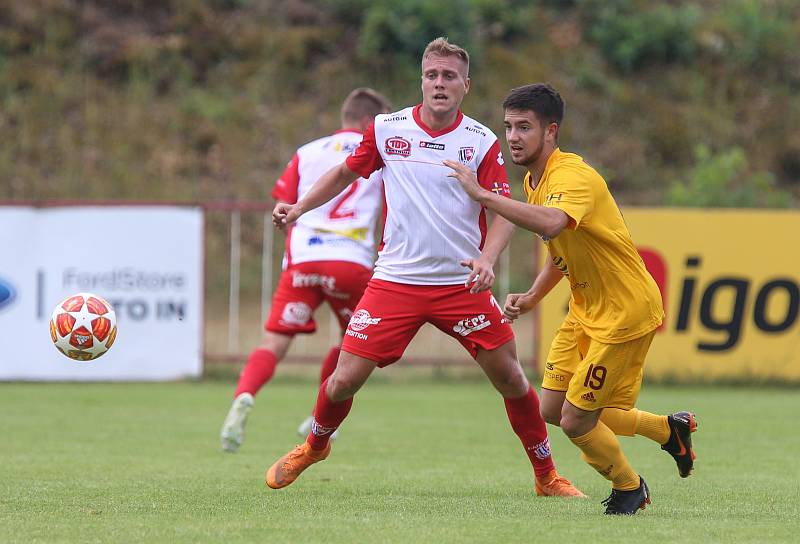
[365,159]
[286,187]
[492,173]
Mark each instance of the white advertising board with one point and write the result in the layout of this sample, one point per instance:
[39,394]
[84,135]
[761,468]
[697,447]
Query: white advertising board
[147,261]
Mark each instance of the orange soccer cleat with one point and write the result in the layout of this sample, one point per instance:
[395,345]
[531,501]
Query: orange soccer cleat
[554,485]
[288,468]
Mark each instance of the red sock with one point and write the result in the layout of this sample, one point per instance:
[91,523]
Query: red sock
[328,415]
[523,414]
[259,370]
[329,364]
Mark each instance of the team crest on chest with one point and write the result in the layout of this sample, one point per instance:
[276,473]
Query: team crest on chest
[466,154]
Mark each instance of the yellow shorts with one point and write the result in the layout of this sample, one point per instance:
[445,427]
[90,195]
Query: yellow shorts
[595,375]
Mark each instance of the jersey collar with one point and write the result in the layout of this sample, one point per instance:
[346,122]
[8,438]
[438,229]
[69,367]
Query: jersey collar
[528,180]
[435,133]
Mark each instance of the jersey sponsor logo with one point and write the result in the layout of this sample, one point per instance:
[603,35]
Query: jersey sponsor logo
[469,325]
[313,280]
[589,397]
[345,147]
[431,145]
[501,187]
[560,263]
[398,146]
[395,119]
[296,313]
[354,334]
[361,320]
[476,129]
[466,154]
[542,449]
[553,197]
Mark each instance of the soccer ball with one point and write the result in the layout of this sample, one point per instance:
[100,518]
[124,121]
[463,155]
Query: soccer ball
[83,327]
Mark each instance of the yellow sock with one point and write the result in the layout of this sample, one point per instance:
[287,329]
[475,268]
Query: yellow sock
[622,422]
[634,421]
[653,426]
[602,451]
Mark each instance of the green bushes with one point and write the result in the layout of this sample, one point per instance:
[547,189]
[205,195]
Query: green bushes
[724,180]
[632,36]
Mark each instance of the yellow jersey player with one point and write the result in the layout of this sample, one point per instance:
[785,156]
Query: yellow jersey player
[594,368]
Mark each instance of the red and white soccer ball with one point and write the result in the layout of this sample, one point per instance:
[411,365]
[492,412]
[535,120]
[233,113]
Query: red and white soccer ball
[83,326]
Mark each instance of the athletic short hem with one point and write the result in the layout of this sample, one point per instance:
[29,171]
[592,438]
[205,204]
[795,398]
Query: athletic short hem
[554,390]
[509,336]
[594,407]
[371,356]
[287,332]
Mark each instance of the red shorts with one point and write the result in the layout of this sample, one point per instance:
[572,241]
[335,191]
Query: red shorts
[390,314]
[304,286]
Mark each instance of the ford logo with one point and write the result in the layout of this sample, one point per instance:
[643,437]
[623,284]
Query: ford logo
[7,293]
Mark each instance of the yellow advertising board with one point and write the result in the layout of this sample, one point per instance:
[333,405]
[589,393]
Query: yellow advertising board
[730,280]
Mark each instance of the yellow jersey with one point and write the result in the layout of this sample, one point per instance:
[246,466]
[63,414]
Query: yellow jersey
[614,297]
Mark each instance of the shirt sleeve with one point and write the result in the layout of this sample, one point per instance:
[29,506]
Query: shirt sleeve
[492,173]
[286,187]
[570,191]
[365,159]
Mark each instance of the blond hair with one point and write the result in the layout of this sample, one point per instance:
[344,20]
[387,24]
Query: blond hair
[441,47]
[363,102]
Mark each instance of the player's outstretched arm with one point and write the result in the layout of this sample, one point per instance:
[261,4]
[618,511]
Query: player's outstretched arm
[332,182]
[520,303]
[539,219]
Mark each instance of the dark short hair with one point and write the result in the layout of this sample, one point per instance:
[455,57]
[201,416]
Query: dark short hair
[540,98]
[364,102]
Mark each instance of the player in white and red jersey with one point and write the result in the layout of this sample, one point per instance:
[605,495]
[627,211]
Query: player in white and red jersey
[329,256]
[434,232]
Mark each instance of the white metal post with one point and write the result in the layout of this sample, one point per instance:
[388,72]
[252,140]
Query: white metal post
[267,244]
[233,296]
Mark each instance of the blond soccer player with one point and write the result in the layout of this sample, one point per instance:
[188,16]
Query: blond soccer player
[435,266]
[594,368]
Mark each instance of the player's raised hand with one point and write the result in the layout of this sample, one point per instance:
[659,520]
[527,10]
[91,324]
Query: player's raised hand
[284,214]
[466,177]
[516,305]
[481,276]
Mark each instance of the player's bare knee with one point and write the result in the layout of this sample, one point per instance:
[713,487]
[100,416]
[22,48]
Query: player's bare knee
[341,387]
[551,415]
[512,384]
[570,426]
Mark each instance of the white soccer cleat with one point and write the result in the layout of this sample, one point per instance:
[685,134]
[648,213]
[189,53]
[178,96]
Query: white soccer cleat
[305,428]
[232,434]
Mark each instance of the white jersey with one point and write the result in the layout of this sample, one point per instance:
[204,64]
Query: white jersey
[343,228]
[431,223]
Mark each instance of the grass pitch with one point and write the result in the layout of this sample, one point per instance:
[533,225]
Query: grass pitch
[419,461]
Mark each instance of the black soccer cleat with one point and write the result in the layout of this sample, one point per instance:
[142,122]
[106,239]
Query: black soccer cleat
[679,445]
[627,503]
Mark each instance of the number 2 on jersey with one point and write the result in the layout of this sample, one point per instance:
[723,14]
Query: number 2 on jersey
[336,212]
